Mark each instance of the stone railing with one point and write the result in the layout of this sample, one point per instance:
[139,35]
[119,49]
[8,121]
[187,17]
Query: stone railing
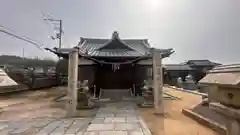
[185,90]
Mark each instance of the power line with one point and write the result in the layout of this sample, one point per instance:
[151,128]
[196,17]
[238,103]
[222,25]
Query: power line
[26,39]
[21,36]
[18,37]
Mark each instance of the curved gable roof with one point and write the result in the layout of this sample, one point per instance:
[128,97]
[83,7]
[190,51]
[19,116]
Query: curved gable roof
[114,46]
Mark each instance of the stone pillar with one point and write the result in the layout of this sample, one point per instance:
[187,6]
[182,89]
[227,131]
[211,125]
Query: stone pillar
[72,83]
[157,82]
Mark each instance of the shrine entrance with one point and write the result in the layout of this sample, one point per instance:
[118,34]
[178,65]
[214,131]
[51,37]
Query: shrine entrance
[119,77]
[115,81]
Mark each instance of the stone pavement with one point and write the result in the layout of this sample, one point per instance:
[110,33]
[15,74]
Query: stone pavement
[117,119]
[45,126]
[112,119]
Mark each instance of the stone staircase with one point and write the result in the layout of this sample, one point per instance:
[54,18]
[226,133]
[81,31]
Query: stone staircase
[115,94]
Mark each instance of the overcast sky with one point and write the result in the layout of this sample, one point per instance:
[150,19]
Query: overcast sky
[195,29]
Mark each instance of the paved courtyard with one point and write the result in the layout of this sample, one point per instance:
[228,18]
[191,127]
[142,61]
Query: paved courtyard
[111,119]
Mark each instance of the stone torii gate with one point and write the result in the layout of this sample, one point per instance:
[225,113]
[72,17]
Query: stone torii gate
[73,78]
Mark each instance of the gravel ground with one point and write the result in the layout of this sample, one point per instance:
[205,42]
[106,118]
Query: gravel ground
[31,104]
[175,123]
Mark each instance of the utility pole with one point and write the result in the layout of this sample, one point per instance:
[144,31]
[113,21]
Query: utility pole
[59,34]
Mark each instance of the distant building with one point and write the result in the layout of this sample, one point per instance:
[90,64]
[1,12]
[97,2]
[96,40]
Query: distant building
[196,68]
[201,64]
[173,71]
[201,67]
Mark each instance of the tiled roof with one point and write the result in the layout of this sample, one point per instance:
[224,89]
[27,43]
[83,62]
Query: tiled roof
[201,63]
[177,67]
[114,47]
[63,52]
[226,68]
[93,47]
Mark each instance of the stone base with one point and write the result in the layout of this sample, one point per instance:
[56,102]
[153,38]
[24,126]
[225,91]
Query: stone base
[159,112]
[232,123]
[221,129]
[225,110]
[233,127]
[85,101]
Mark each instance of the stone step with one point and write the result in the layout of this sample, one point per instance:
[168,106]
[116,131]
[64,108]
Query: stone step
[115,94]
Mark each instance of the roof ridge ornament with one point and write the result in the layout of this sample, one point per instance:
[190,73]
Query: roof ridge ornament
[115,35]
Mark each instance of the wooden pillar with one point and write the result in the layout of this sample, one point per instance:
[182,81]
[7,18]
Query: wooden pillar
[72,83]
[157,82]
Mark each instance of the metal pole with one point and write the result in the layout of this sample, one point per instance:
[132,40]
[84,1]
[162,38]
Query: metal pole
[60,34]
[23,55]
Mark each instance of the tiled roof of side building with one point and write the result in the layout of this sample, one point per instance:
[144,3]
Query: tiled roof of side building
[177,67]
[201,63]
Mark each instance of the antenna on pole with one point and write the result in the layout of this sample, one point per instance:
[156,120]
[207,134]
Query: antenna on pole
[23,53]
[59,33]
